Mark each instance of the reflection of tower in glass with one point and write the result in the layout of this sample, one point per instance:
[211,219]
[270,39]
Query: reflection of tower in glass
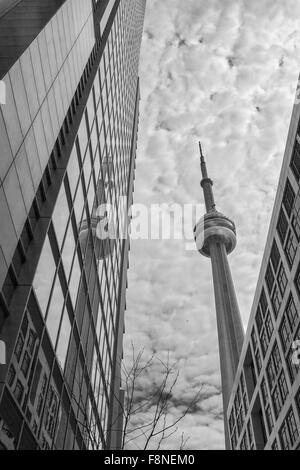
[95,247]
[99,243]
[216,238]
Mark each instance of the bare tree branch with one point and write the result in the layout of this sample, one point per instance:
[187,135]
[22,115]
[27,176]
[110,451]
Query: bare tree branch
[157,403]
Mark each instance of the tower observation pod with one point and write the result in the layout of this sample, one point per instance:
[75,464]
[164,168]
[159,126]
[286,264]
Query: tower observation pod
[215,237]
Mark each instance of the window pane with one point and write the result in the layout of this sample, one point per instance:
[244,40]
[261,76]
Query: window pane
[73,171]
[60,216]
[68,250]
[54,312]
[44,276]
[74,281]
[288,198]
[275,256]
[295,163]
[282,226]
[78,204]
[82,137]
[63,341]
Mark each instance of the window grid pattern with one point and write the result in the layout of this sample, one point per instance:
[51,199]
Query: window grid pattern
[289,432]
[288,226]
[77,293]
[264,323]
[237,417]
[277,380]
[295,160]
[289,331]
[276,375]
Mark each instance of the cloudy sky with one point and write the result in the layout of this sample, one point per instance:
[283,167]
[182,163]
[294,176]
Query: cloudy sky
[224,71]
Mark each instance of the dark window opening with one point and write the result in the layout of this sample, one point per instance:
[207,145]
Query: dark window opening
[295,162]
[288,198]
[282,226]
[275,256]
[270,278]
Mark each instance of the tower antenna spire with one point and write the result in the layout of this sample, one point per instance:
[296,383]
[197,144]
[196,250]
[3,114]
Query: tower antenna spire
[206,184]
[201,153]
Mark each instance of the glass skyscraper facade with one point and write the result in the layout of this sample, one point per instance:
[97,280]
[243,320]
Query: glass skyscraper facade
[264,409]
[68,136]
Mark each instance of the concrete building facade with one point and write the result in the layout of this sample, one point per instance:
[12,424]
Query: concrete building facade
[68,136]
[264,407]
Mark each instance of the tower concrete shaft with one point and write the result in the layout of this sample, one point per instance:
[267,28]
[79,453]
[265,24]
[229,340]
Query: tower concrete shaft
[215,237]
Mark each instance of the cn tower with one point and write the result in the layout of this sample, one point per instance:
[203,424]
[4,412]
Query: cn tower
[215,236]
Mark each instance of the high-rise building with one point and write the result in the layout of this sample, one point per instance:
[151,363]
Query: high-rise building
[264,408]
[68,135]
[215,237]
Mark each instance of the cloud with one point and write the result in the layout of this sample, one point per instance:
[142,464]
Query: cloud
[224,71]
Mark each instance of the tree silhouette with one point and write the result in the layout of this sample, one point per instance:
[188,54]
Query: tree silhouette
[147,419]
